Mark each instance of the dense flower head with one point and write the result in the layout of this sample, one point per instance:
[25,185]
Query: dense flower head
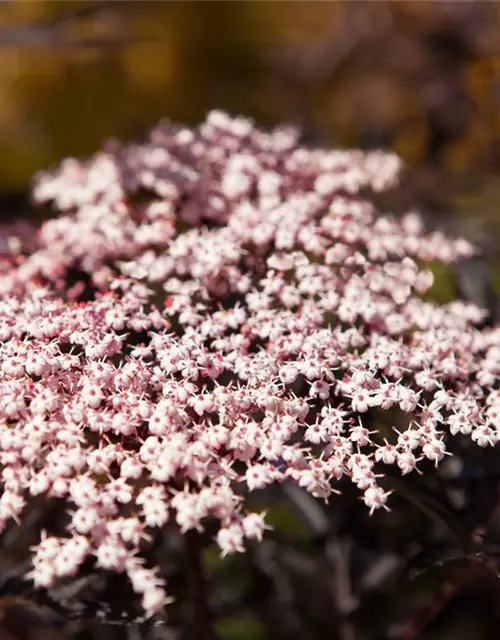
[250,309]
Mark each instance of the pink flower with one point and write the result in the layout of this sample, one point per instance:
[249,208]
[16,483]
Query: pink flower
[254,526]
[375,497]
[230,539]
[258,476]
[240,327]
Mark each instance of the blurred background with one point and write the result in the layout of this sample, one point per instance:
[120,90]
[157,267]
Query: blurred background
[419,78]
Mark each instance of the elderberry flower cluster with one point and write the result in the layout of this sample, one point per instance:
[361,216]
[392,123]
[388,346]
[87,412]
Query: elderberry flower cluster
[253,319]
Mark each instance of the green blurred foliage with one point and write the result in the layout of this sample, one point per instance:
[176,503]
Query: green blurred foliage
[286,525]
[241,628]
[444,288]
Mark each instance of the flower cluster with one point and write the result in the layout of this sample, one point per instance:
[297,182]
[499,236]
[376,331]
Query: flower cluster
[250,309]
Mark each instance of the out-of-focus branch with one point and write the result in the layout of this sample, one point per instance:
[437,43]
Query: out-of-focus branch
[338,555]
[53,32]
[201,626]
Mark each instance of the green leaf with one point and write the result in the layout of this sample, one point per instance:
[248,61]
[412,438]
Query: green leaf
[444,289]
[243,628]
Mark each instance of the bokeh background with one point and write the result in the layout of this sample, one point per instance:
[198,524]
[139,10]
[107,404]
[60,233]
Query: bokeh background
[418,78]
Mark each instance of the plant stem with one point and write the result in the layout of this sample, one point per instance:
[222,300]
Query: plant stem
[201,627]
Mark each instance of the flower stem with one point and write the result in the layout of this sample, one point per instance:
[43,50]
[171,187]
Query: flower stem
[201,627]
